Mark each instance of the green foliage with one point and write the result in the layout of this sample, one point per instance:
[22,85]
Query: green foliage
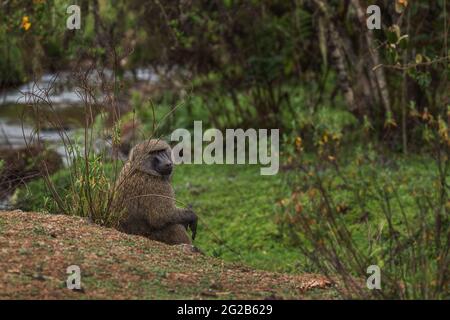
[346,215]
[84,189]
[247,60]
[36,196]
[11,66]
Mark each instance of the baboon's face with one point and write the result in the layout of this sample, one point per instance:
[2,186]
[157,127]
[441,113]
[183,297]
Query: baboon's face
[162,162]
[159,162]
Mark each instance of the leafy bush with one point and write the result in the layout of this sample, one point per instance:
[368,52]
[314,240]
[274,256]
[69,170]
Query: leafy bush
[373,211]
[84,189]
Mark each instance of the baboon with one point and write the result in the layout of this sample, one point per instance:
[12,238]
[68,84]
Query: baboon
[145,197]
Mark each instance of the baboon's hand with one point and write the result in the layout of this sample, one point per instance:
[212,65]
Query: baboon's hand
[192,222]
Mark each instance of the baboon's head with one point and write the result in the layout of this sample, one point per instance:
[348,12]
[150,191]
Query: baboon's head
[152,157]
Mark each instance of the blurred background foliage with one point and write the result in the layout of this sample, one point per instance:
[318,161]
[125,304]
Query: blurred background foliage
[252,63]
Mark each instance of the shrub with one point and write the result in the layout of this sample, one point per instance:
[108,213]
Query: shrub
[84,189]
[374,211]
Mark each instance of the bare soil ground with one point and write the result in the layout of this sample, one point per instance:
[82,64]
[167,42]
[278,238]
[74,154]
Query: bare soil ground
[37,248]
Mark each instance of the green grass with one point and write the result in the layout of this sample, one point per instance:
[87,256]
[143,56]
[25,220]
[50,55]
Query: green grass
[236,209]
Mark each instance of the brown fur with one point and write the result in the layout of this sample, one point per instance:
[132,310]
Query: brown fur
[148,200]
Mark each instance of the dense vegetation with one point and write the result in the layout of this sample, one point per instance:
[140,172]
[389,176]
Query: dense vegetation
[364,118]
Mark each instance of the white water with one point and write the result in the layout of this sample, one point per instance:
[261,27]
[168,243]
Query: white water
[61,93]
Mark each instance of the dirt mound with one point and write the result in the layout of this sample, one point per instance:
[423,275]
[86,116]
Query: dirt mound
[37,248]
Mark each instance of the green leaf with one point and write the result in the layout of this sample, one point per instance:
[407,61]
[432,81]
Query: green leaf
[419,58]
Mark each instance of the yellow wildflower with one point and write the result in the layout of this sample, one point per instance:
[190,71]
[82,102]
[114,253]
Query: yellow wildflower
[26,24]
[298,143]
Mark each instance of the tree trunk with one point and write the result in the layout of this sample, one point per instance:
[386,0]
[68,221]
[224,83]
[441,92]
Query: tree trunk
[375,58]
[338,57]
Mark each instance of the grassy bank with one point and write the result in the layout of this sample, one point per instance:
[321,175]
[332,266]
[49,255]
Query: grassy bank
[37,249]
[245,217]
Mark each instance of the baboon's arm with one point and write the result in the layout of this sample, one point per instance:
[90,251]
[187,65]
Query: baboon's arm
[185,217]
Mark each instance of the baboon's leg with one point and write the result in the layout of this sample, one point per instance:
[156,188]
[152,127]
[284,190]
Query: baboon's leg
[173,234]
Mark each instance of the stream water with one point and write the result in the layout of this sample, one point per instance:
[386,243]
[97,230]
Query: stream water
[17,116]
[18,119]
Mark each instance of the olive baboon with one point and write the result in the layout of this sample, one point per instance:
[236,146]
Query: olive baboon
[146,198]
